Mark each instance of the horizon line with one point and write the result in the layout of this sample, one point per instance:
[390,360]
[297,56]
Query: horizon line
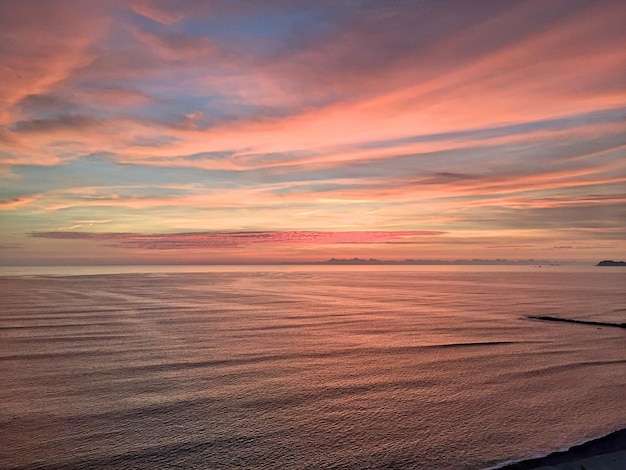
[336,262]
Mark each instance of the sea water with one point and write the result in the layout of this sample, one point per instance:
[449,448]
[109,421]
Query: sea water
[313,367]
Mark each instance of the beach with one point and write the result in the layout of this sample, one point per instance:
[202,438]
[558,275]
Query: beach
[605,453]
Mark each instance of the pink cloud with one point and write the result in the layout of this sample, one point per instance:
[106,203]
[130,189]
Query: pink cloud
[390,116]
[529,76]
[176,241]
[45,42]
[157,11]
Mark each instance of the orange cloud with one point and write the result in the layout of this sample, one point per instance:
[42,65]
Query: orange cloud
[17,202]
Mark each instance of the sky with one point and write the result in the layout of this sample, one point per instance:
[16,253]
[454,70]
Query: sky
[149,131]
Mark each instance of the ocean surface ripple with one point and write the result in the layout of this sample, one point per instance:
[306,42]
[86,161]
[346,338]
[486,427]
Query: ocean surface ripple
[278,367]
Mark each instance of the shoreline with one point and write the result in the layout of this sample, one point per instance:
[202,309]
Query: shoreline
[604,453]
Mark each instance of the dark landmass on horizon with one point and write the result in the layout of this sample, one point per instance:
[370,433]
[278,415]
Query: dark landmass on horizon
[442,262]
[609,262]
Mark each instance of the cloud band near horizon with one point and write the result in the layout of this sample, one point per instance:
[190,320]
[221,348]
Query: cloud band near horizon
[173,241]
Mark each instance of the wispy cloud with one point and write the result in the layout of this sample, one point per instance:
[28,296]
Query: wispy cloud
[496,119]
[16,202]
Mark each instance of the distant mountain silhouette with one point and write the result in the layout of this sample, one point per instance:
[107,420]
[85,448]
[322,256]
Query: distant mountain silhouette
[611,263]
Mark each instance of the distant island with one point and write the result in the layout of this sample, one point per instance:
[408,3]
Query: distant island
[611,263]
[440,262]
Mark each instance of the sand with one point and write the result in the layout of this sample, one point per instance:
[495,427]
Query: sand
[605,453]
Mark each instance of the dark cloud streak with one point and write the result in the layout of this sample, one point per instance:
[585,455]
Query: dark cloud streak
[177,241]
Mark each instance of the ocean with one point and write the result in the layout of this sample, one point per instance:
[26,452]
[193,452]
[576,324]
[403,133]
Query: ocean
[306,367]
